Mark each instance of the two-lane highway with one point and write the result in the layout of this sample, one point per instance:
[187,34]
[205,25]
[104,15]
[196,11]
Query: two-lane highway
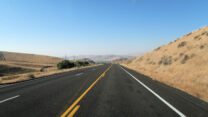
[102,91]
[46,97]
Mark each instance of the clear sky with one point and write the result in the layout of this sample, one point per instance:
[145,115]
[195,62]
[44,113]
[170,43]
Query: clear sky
[82,27]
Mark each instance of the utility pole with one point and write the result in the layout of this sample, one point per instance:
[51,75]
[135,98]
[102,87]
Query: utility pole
[2,58]
[65,57]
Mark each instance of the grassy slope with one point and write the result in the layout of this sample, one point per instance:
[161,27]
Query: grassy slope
[30,58]
[16,65]
[27,62]
[182,64]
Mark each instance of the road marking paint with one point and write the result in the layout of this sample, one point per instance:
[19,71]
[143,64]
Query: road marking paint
[159,97]
[83,94]
[5,85]
[93,69]
[74,111]
[78,74]
[9,98]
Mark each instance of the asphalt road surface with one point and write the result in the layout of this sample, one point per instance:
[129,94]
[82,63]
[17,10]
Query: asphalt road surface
[101,91]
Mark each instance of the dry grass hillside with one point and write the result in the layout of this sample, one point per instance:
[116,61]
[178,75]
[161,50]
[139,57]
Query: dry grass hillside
[28,58]
[20,66]
[182,63]
[21,62]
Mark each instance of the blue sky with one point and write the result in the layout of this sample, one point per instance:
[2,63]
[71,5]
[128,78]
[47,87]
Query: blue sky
[82,27]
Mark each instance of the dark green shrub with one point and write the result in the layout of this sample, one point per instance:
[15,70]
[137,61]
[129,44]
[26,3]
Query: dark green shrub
[181,44]
[181,54]
[65,64]
[186,57]
[202,46]
[151,62]
[165,60]
[189,34]
[197,37]
[31,76]
[86,63]
[203,33]
[77,63]
[81,63]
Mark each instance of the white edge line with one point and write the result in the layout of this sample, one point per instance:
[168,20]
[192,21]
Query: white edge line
[9,98]
[78,74]
[159,97]
[5,85]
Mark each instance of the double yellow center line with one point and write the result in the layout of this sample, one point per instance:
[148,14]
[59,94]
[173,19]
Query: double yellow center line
[71,113]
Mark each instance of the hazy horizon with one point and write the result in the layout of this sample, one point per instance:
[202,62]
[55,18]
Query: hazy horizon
[91,27]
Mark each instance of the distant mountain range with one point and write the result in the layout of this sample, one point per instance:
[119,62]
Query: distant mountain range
[101,58]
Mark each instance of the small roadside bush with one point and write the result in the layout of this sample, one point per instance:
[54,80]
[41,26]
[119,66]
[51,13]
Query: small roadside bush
[197,37]
[185,58]
[65,64]
[81,63]
[202,46]
[204,33]
[181,44]
[31,76]
[181,54]
[77,64]
[86,63]
[151,62]
[189,34]
[165,60]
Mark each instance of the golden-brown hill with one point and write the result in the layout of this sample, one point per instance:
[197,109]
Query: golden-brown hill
[182,63]
[14,66]
[30,58]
